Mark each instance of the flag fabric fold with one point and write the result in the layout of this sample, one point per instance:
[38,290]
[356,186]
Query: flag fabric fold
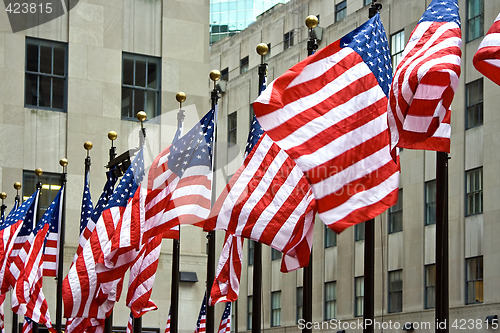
[425,81]
[167,326]
[225,321]
[487,58]
[202,317]
[329,113]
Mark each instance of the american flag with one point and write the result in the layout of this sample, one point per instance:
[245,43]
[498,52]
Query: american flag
[202,317]
[27,325]
[256,130]
[9,229]
[425,81]
[329,113]
[130,324]
[27,296]
[226,284]
[90,289]
[51,250]
[2,313]
[487,58]
[89,325]
[167,326]
[225,321]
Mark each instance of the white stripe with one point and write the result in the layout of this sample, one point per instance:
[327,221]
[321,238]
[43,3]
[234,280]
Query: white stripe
[491,39]
[192,190]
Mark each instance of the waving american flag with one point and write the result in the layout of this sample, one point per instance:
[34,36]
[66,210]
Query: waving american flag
[487,58]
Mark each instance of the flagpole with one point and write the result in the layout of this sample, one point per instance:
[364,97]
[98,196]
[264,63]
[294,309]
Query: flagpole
[307,283]
[38,173]
[442,287]
[15,318]
[141,116]
[112,135]
[64,163]
[262,50]
[214,76]
[176,244]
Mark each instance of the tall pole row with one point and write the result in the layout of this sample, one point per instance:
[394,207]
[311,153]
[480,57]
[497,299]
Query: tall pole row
[59,302]
[15,318]
[38,173]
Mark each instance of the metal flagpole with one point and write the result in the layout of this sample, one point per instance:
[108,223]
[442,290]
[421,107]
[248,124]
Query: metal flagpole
[59,303]
[214,76]
[369,255]
[15,318]
[307,283]
[176,244]
[112,135]
[141,116]
[262,50]
[442,287]
[38,173]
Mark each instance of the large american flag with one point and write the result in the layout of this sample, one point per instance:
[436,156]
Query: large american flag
[225,321]
[90,289]
[487,58]
[27,325]
[425,81]
[329,113]
[202,317]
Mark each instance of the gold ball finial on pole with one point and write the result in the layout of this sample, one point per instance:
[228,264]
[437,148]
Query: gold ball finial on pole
[38,172]
[17,185]
[141,116]
[112,135]
[214,75]
[180,97]
[87,145]
[3,196]
[262,49]
[63,162]
[312,21]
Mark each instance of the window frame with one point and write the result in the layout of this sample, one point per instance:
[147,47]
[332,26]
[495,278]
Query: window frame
[330,239]
[480,16]
[330,300]
[244,64]
[288,39]
[275,254]
[477,107]
[359,295]
[476,194]
[134,57]
[299,303]
[232,131]
[395,215]
[397,55]
[276,308]
[476,282]
[429,287]
[250,254]
[39,43]
[359,232]
[51,184]
[430,206]
[249,312]
[393,290]
[340,11]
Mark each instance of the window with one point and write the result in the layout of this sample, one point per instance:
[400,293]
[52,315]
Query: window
[330,237]
[474,280]
[224,74]
[396,215]
[251,245]
[300,303]
[275,308]
[474,100]
[249,312]
[359,232]
[395,291]
[244,65]
[359,294]
[51,184]
[367,2]
[340,10]
[46,83]
[268,54]
[232,122]
[397,48]
[288,40]
[430,286]
[430,202]
[275,254]
[140,85]
[474,191]
[330,300]
[475,18]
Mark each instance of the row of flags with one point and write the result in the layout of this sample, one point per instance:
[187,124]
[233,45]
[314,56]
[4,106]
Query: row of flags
[323,141]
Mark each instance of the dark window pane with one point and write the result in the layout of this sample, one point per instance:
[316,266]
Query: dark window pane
[139,101]
[31,90]
[59,61]
[128,71]
[127,102]
[44,92]
[46,59]
[152,75]
[151,104]
[32,58]
[57,93]
[140,73]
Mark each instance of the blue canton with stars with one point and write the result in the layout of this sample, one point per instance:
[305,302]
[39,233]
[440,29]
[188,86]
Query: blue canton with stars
[442,11]
[203,313]
[370,42]
[86,212]
[10,220]
[227,311]
[256,130]
[51,215]
[107,192]
[194,148]
[129,182]
[27,212]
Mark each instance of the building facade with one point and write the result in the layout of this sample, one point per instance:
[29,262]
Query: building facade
[85,73]
[405,234]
